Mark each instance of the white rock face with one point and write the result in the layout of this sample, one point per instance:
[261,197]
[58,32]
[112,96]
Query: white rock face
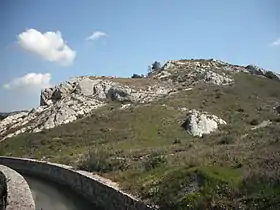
[100,89]
[212,77]
[210,71]
[72,100]
[189,71]
[199,123]
[125,106]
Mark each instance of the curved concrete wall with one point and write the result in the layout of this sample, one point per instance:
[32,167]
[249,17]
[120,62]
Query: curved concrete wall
[93,187]
[19,193]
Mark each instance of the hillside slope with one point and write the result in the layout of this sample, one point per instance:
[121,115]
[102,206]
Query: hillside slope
[146,147]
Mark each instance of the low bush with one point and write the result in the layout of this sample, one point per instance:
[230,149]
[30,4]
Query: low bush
[254,122]
[153,161]
[101,160]
[227,140]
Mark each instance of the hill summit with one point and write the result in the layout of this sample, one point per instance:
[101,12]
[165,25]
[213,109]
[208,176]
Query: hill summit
[74,99]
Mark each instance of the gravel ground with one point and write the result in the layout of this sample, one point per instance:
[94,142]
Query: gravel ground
[19,194]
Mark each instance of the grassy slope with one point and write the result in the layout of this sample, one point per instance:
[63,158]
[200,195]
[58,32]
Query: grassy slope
[145,149]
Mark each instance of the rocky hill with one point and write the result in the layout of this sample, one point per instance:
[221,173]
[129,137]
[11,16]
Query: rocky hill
[193,134]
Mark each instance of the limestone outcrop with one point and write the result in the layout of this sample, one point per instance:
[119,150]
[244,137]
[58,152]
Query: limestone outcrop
[190,72]
[74,99]
[200,123]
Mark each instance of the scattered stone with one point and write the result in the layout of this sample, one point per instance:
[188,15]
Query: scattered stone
[183,109]
[199,123]
[125,106]
[262,125]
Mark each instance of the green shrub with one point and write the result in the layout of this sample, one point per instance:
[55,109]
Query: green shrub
[276,119]
[261,191]
[177,141]
[153,161]
[198,188]
[254,122]
[240,110]
[227,140]
[101,160]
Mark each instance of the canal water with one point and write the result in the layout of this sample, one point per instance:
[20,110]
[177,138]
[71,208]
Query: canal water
[51,196]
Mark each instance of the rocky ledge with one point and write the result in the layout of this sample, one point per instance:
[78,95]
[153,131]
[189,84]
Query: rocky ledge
[72,100]
[188,72]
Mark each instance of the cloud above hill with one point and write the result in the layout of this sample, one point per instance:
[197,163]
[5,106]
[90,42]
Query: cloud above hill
[276,42]
[29,82]
[49,46]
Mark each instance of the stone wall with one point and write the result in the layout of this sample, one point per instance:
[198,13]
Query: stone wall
[19,193]
[95,188]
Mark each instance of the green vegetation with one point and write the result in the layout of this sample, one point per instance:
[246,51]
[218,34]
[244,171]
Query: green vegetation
[145,149]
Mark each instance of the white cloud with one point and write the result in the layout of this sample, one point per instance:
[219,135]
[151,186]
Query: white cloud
[50,46]
[276,43]
[96,35]
[29,82]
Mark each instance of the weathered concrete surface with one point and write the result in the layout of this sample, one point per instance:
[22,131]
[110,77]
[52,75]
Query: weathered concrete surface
[95,188]
[19,193]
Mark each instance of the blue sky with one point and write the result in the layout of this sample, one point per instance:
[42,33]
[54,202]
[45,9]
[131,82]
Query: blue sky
[130,36]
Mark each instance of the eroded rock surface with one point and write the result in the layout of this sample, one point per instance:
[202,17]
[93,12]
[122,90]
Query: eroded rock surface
[72,100]
[200,123]
[213,71]
[190,72]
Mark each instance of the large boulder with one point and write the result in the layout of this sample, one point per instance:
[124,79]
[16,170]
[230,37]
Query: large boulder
[199,123]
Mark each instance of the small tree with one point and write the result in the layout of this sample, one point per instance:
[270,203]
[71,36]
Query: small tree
[156,66]
[137,76]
